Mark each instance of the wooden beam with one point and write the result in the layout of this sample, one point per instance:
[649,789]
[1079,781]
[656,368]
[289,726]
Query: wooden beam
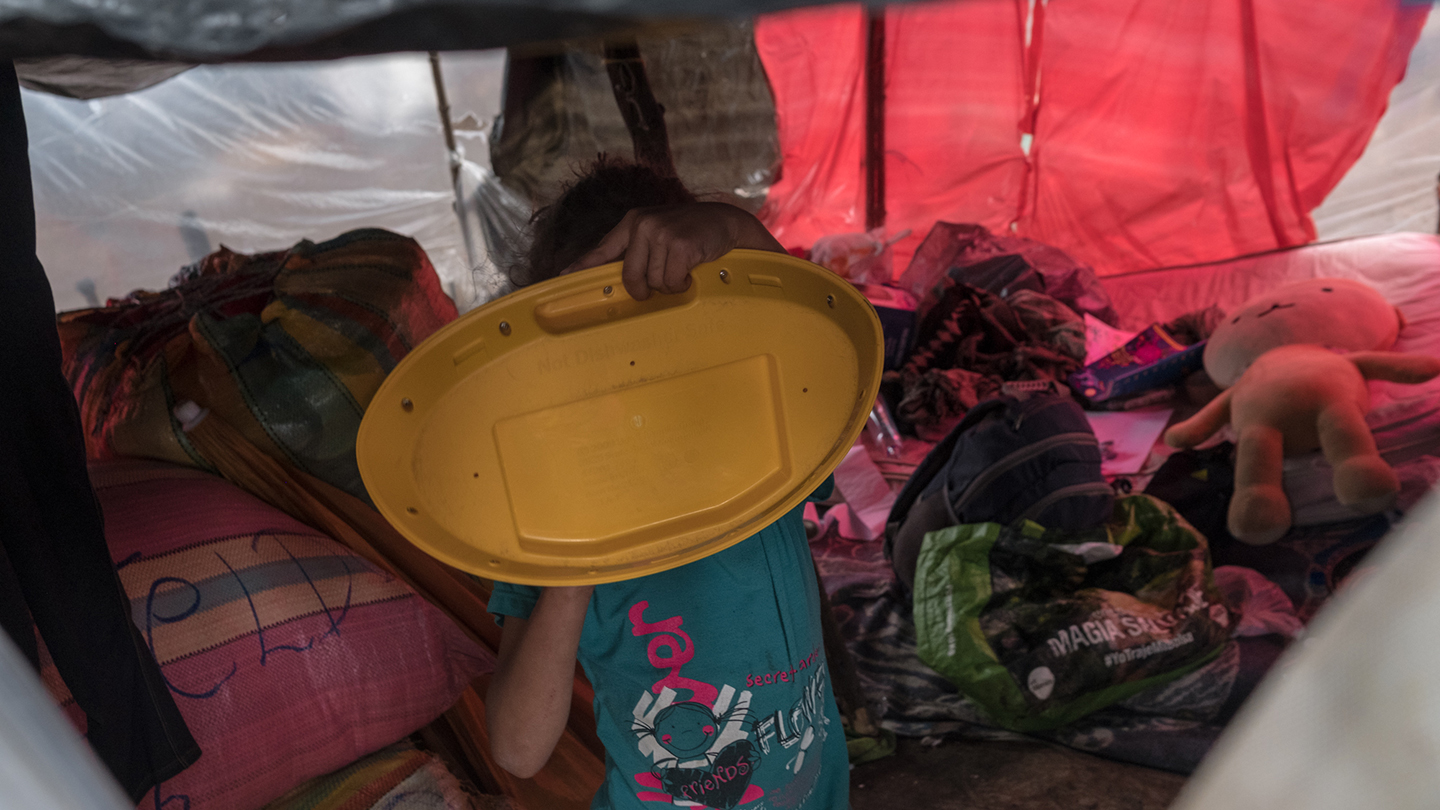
[875,118]
[644,116]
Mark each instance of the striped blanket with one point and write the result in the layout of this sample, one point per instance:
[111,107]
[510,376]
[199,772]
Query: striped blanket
[289,347]
[396,778]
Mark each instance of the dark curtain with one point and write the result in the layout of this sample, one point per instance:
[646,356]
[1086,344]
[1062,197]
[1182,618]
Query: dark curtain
[55,569]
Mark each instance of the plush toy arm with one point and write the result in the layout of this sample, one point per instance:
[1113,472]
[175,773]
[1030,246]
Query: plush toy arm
[1201,426]
[1395,366]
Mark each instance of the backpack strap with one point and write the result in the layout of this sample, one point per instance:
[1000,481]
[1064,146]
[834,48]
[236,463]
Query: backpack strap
[934,462]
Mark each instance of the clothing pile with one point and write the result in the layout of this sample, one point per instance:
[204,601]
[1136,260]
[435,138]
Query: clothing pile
[1030,624]
[971,341]
[990,309]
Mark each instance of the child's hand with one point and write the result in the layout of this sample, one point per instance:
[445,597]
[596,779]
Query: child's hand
[661,244]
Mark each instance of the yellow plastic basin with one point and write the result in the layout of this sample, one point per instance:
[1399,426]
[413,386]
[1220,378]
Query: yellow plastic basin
[567,434]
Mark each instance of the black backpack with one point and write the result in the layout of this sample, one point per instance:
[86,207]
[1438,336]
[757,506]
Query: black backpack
[1015,457]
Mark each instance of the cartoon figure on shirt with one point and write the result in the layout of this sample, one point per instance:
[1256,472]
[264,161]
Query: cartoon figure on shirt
[704,742]
[686,730]
[702,755]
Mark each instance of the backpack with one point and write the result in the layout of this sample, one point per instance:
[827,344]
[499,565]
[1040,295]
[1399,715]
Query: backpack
[1025,455]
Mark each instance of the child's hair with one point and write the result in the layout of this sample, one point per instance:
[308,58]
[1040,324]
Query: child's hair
[589,208]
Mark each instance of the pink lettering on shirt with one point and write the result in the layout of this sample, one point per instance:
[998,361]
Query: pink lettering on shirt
[671,648]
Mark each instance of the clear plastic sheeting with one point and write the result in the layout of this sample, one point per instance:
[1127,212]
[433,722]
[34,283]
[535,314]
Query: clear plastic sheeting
[221,30]
[128,189]
[43,762]
[496,219]
[719,115]
[1392,187]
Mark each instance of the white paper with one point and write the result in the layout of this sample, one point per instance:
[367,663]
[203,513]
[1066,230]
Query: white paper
[1101,338]
[1126,437]
[868,498]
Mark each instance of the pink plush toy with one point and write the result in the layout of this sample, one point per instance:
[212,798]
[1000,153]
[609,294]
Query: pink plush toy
[1294,363]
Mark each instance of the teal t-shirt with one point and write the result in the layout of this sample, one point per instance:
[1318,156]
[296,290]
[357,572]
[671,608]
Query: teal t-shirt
[711,688]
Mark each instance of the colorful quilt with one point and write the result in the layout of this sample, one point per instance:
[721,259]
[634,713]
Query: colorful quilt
[396,778]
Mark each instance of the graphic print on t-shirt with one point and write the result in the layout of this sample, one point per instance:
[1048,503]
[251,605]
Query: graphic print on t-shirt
[708,744]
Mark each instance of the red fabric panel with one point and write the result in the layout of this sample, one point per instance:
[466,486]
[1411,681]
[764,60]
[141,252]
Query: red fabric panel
[1174,133]
[953,111]
[815,59]
[954,108]
[1164,133]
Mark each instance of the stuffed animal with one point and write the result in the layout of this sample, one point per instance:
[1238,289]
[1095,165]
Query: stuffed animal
[1333,312]
[1294,364]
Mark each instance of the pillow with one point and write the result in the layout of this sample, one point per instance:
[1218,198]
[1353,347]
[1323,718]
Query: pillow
[288,655]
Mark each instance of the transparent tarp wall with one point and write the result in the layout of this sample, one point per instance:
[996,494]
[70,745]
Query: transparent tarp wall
[1392,187]
[255,157]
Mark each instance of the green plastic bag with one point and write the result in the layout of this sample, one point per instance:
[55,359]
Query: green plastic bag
[1041,628]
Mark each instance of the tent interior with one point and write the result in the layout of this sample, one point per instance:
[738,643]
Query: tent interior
[1150,164]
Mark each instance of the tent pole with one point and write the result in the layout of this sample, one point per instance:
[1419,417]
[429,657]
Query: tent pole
[644,115]
[443,107]
[875,117]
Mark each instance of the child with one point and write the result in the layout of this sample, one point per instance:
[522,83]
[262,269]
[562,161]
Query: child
[711,687]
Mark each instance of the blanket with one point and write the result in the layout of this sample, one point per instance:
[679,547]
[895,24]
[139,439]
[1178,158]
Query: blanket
[288,347]
[971,341]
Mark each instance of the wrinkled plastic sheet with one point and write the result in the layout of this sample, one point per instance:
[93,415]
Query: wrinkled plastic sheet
[223,30]
[719,115]
[495,226]
[1350,716]
[257,157]
[1132,134]
[83,77]
[43,762]
[1392,187]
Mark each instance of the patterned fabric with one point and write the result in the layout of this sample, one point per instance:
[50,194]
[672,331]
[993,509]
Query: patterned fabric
[1309,563]
[357,786]
[395,778]
[971,341]
[288,655]
[289,347]
[432,787]
[951,253]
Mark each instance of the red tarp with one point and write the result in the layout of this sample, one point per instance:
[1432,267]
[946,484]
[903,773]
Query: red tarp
[1161,132]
